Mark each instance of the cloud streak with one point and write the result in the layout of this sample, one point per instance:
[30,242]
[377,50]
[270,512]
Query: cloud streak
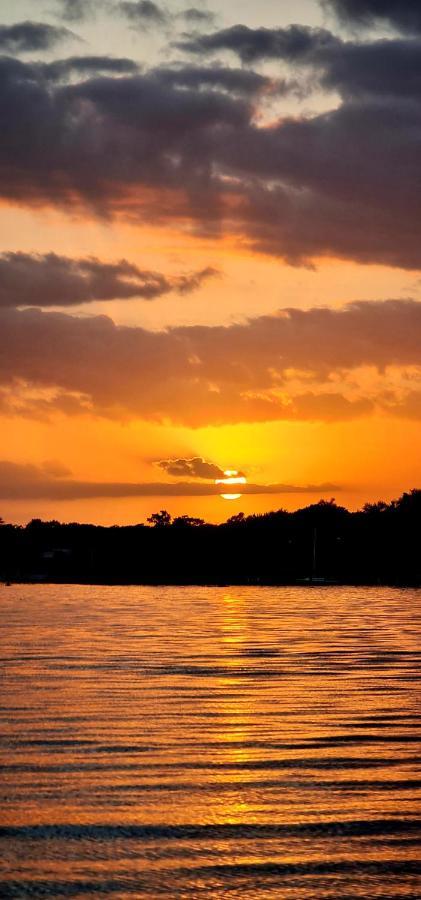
[52,280]
[30,482]
[30,37]
[197,17]
[83,66]
[145,14]
[293,43]
[241,82]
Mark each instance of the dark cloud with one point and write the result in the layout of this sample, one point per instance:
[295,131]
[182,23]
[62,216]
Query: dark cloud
[99,141]
[191,468]
[31,37]
[349,177]
[154,147]
[404,15]
[83,66]
[76,10]
[30,482]
[296,42]
[243,82]
[197,17]
[144,13]
[383,67]
[186,284]
[72,67]
[202,375]
[52,280]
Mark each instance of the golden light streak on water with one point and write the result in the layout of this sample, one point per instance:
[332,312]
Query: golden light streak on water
[209,742]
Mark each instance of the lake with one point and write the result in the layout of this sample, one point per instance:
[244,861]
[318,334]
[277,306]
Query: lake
[210,743]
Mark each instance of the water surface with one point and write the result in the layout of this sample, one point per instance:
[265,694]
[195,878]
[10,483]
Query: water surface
[210,743]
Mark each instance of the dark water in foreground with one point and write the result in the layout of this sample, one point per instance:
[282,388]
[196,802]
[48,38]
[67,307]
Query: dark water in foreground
[216,743]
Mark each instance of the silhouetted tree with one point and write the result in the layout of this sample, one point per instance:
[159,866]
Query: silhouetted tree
[376,508]
[377,544]
[409,503]
[238,519]
[160,519]
[187,522]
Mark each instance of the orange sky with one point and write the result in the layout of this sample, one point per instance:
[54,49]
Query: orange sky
[232,360]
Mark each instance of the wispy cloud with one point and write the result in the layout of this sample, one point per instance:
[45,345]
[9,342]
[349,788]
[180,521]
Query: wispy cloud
[77,10]
[145,13]
[30,37]
[30,482]
[52,280]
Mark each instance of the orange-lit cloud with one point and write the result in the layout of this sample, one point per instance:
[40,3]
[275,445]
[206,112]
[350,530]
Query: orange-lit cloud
[293,365]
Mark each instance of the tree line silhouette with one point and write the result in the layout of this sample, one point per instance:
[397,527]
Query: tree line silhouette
[320,543]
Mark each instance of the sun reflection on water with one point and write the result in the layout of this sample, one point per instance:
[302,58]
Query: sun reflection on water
[174,742]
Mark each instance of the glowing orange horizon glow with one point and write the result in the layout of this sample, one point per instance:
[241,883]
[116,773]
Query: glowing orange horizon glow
[345,423]
[232,476]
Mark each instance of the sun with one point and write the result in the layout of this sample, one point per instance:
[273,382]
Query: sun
[231,477]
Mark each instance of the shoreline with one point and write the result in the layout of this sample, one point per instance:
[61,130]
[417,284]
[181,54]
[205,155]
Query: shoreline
[300,583]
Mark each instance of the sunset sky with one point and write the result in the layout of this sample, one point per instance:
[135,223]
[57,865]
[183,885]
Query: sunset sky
[211,255]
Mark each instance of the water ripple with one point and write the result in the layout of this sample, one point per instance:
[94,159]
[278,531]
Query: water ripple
[228,744]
